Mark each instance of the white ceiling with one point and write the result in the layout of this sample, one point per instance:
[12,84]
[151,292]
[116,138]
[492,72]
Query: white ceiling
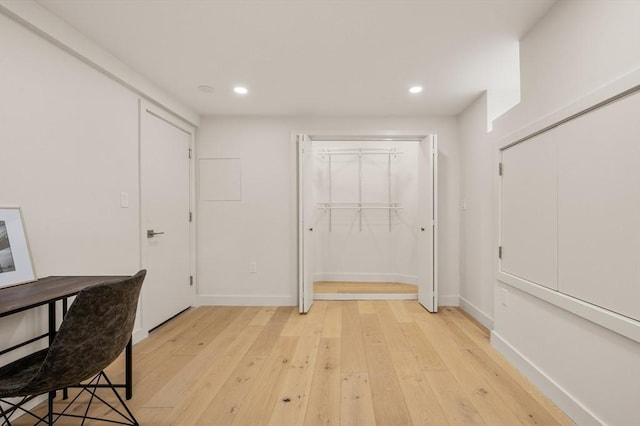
[313,57]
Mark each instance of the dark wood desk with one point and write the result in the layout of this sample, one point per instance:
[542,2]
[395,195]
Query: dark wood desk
[47,291]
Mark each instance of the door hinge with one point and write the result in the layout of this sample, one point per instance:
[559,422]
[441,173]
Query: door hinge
[190,152]
[500,169]
[190,280]
[190,217]
[500,252]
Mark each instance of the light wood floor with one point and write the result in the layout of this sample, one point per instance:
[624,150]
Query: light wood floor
[339,287]
[350,363]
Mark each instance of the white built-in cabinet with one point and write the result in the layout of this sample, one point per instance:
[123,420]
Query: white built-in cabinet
[570,210]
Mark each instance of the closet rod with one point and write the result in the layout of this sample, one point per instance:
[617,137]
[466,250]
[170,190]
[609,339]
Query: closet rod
[361,208]
[358,149]
[360,152]
[329,206]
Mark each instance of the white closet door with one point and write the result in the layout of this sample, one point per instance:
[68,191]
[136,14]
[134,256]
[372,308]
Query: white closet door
[165,200]
[599,201]
[307,240]
[428,222]
[529,201]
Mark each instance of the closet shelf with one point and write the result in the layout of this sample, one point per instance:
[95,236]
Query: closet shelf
[359,206]
[360,151]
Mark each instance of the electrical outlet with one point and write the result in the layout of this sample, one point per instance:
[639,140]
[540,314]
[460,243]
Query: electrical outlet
[124,200]
[503,297]
[253,267]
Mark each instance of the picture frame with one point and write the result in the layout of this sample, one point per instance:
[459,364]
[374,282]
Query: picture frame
[16,266]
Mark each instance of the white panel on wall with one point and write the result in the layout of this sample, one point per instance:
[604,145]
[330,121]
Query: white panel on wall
[529,210]
[220,179]
[598,206]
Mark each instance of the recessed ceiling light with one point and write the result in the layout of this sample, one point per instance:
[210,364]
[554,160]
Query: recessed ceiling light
[240,90]
[206,89]
[415,89]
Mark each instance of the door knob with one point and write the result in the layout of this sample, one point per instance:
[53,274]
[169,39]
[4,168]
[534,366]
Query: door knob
[422,229]
[151,234]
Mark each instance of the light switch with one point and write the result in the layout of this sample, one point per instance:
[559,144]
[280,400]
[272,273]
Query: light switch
[124,200]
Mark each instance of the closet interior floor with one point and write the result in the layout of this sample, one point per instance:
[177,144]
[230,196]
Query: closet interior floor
[343,290]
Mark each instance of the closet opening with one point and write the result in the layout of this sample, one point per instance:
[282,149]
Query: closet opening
[367,218]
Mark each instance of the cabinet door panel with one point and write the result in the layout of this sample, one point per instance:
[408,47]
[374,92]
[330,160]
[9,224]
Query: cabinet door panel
[529,210]
[599,207]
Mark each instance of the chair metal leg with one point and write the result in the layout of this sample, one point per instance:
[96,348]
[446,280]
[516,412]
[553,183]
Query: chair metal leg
[126,416]
[115,391]
[5,414]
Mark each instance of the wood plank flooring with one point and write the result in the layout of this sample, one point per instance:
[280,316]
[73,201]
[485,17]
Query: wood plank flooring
[345,362]
[340,287]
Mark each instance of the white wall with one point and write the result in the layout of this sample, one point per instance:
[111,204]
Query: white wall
[262,226]
[384,247]
[477,249]
[58,32]
[578,47]
[591,373]
[68,148]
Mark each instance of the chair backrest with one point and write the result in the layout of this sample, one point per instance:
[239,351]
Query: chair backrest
[95,330]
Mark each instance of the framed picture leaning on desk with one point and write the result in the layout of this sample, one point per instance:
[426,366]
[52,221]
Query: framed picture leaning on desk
[15,257]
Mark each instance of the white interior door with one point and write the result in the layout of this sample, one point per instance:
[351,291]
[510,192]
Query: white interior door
[165,215]
[306,215]
[428,223]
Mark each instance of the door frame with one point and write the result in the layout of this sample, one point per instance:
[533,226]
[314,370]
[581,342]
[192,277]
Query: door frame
[342,135]
[303,298]
[432,306]
[144,107]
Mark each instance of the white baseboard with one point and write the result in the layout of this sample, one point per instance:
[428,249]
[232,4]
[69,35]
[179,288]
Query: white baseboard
[241,300]
[365,296]
[476,313]
[366,277]
[563,399]
[448,300]
[139,335]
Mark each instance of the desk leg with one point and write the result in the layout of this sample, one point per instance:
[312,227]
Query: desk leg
[52,321]
[52,334]
[65,306]
[129,370]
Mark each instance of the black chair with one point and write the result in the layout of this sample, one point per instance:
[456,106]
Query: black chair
[93,333]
